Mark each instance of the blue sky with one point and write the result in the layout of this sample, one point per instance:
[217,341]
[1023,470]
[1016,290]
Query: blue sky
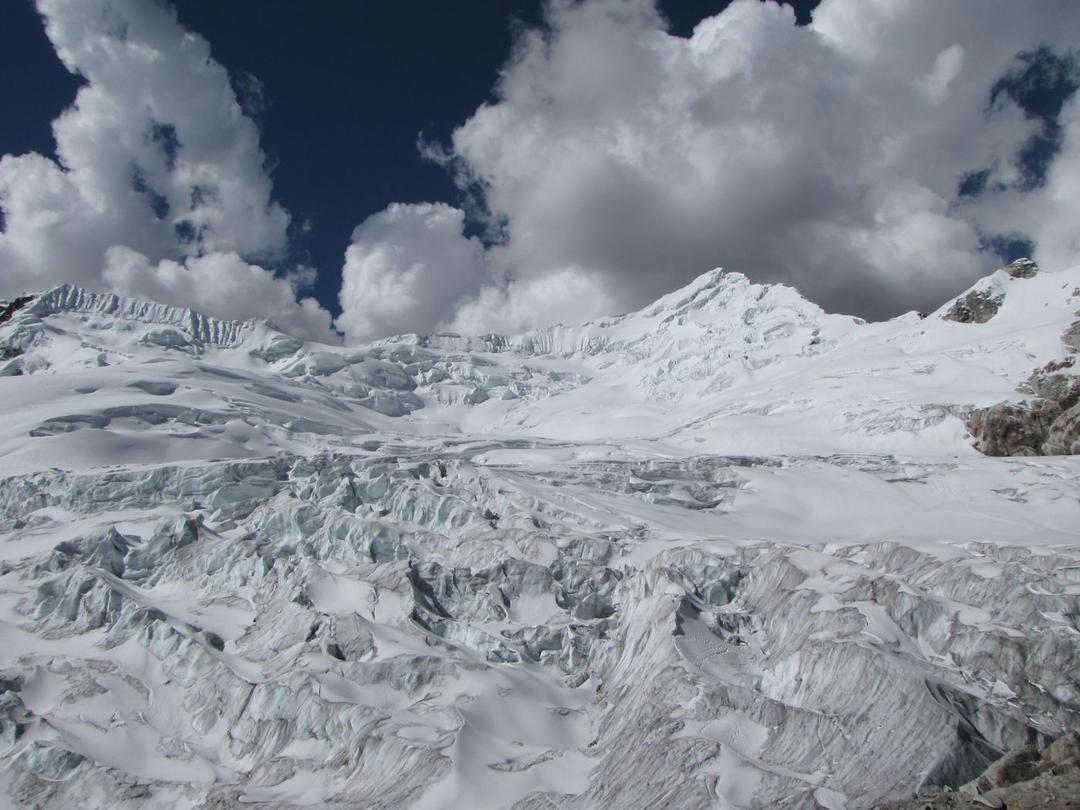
[340,92]
[576,157]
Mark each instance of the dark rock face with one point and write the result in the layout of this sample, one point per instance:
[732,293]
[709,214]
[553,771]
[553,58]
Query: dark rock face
[1063,438]
[1009,429]
[976,307]
[9,308]
[1022,268]
[1024,779]
[1071,338]
[979,306]
[1050,383]
[1049,425]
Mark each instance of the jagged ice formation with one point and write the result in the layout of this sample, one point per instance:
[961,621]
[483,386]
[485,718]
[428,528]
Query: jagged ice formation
[727,551]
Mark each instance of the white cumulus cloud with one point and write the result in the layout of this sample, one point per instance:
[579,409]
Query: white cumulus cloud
[407,269]
[618,162]
[568,297]
[154,155]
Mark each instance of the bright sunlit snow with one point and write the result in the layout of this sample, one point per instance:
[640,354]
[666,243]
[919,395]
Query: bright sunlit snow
[728,550]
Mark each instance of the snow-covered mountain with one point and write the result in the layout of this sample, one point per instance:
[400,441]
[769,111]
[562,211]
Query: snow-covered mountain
[726,551]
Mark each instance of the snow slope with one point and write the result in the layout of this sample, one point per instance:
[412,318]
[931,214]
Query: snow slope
[726,551]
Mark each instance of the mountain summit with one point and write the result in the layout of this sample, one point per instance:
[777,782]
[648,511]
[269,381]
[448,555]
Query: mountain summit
[720,366]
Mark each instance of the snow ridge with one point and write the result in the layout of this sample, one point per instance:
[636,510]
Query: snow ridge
[209,331]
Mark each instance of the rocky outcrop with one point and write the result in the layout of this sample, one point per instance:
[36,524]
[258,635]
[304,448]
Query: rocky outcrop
[7,311]
[978,306]
[1013,429]
[1048,425]
[1023,779]
[1022,268]
[1042,428]
[981,304]
[1063,437]
[1071,338]
[9,308]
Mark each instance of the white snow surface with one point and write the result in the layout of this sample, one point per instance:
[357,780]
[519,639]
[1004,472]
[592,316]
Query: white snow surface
[727,551]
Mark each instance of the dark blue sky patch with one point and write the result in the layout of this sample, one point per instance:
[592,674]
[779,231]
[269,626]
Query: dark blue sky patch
[1036,155]
[164,136]
[34,87]
[250,93]
[157,202]
[972,184]
[341,132]
[186,232]
[683,15]
[1039,84]
[1009,246]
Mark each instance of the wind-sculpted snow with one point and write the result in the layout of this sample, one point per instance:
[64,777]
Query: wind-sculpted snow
[728,551]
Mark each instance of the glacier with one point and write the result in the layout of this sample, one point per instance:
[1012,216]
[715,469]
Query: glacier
[727,551]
